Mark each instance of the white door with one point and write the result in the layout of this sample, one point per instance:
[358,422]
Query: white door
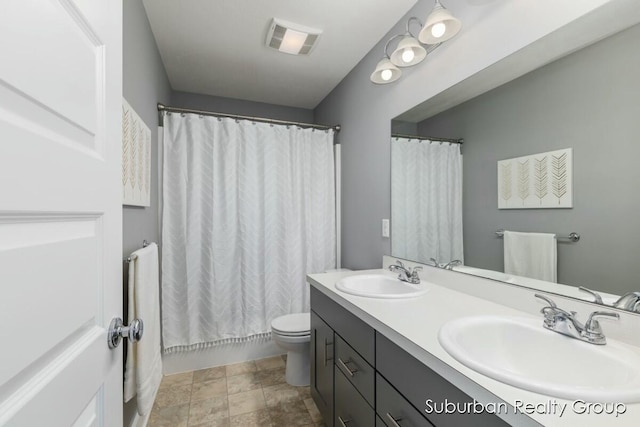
[60,212]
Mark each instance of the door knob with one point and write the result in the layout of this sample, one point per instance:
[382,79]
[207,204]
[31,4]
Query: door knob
[117,331]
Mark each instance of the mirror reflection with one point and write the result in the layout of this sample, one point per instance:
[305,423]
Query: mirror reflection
[445,195]
[426,200]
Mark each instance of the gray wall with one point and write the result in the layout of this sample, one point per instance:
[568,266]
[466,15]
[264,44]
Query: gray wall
[404,128]
[236,106]
[588,101]
[145,84]
[364,110]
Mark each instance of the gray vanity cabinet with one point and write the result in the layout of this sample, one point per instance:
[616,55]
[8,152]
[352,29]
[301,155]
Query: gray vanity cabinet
[342,380]
[321,363]
[342,354]
[360,378]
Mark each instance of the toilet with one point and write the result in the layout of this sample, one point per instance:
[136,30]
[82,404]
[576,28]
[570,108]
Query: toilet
[292,332]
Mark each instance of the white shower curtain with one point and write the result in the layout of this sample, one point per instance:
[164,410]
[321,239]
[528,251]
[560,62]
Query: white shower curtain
[248,211]
[426,200]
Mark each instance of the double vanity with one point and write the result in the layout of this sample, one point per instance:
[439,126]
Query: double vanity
[456,350]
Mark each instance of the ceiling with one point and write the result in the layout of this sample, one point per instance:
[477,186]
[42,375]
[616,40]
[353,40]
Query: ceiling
[217,47]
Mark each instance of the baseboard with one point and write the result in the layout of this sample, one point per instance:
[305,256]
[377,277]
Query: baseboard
[224,354]
[140,420]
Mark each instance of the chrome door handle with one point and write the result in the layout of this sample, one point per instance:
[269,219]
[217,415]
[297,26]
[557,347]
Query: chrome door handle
[344,365]
[394,421]
[117,331]
[326,344]
[343,422]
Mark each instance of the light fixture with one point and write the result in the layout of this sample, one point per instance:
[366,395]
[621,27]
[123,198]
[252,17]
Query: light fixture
[409,51]
[440,26]
[292,38]
[385,72]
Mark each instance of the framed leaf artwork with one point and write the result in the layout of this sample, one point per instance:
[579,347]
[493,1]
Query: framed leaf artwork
[542,180]
[136,158]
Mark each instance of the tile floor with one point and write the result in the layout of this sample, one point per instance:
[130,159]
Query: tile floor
[248,394]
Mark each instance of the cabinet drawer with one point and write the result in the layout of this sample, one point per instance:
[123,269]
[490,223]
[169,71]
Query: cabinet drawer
[392,407]
[353,330]
[351,410]
[417,383]
[355,369]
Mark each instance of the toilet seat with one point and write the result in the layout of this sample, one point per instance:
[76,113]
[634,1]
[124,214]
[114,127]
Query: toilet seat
[292,325]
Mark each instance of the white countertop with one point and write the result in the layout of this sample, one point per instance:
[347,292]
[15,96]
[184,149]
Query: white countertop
[413,324]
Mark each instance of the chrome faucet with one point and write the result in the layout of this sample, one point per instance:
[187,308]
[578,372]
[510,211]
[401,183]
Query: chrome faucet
[406,274]
[629,301]
[451,264]
[447,266]
[566,323]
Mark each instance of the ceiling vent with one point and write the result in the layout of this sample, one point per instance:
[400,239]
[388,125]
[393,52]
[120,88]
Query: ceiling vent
[292,38]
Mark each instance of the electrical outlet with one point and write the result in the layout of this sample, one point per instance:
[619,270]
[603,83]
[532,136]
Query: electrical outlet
[385,228]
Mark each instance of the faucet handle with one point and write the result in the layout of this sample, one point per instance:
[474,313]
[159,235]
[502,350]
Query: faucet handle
[598,298]
[592,324]
[547,300]
[398,264]
[550,312]
[415,271]
[593,331]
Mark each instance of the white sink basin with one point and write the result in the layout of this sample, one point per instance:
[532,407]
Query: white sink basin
[520,352]
[379,286]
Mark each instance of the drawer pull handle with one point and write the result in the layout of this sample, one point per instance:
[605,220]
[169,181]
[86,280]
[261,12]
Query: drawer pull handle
[343,422]
[394,421]
[344,365]
[326,344]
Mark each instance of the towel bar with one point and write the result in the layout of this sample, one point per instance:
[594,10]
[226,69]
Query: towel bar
[572,237]
[144,245]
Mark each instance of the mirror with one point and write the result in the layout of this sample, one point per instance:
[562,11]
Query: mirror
[588,101]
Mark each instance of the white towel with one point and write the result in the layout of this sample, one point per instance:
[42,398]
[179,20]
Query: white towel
[143,371]
[531,255]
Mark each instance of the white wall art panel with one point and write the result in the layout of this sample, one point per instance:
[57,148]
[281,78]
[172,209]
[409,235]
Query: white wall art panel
[542,180]
[136,158]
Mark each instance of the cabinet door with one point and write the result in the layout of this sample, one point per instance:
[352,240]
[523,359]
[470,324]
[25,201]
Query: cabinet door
[322,367]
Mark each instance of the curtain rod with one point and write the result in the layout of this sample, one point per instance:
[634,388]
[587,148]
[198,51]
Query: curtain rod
[162,107]
[429,138]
